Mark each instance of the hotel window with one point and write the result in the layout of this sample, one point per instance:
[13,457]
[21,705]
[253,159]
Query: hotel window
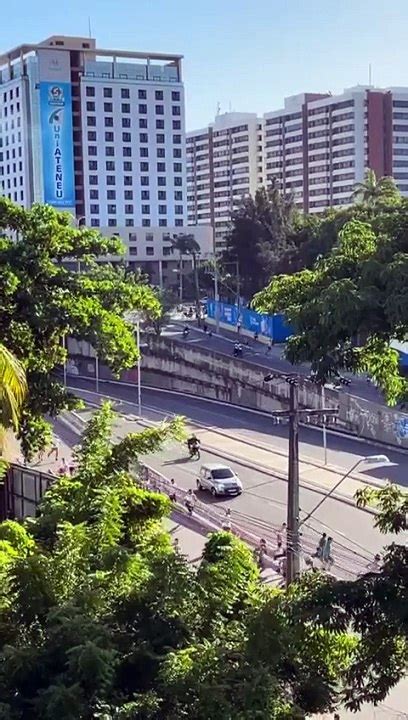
[127,166]
[145,209]
[109,136]
[176,124]
[145,194]
[159,95]
[176,110]
[142,94]
[126,137]
[162,209]
[159,109]
[108,107]
[129,210]
[127,151]
[128,194]
[126,107]
[126,122]
[143,123]
[144,152]
[90,91]
[145,222]
[159,124]
[107,92]
[143,109]
[125,93]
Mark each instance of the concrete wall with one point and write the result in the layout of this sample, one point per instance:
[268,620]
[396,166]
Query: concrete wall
[204,373]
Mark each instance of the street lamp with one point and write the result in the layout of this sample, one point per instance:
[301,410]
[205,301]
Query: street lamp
[135,317]
[370,460]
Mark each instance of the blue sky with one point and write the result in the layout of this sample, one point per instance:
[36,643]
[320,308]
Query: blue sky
[243,55]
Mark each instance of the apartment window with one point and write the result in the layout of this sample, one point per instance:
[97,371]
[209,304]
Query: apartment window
[144,167]
[124,93]
[110,180]
[111,194]
[142,109]
[176,110]
[178,222]
[132,251]
[132,237]
[176,124]
[94,209]
[107,92]
[93,179]
[178,181]
[92,135]
[142,94]
[127,180]
[111,222]
[143,137]
[143,123]
[161,195]
[109,122]
[160,138]
[127,166]
[91,121]
[177,139]
[109,136]
[112,209]
[166,250]
[158,95]
[149,251]
[178,209]
[159,109]
[90,91]
[177,152]
[126,137]
[145,209]
[109,151]
[163,223]
[161,181]
[144,180]
[90,106]
[92,150]
[110,165]
[175,95]
[128,194]
[94,194]
[127,151]
[161,152]
[144,152]
[126,122]
[145,222]
[129,222]
[159,124]
[129,210]
[162,209]
[94,222]
[161,167]
[178,195]
[92,165]
[126,107]
[108,107]
[177,167]
[145,194]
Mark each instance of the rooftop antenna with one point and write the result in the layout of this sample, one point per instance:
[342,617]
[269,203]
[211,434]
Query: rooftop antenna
[218,109]
[370,75]
[89,26]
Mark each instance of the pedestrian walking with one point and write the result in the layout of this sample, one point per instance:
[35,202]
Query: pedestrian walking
[172,493]
[280,551]
[205,327]
[190,502]
[238,327]
[226,525]
[327,558]
[269,348]
[321,546]
[55,447]
[63,468]
[375,565]
[256,335]
[281,534]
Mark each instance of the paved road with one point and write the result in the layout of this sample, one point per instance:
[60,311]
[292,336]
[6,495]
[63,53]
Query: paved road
[257,353]
[343,451]
[264,501]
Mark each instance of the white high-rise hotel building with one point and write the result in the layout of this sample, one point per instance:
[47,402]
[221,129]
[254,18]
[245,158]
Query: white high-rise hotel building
[317,147]
[100,133]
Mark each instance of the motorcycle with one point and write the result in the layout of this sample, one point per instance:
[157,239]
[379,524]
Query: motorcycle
[194,451]
[185,332]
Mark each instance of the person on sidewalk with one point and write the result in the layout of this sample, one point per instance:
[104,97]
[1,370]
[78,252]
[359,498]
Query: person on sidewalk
[327,558]
[281,534]
[172,491]
[55,447]
[321,546]
[190,502]
[226,525]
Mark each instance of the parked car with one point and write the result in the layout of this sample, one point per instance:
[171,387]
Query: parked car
[219,480]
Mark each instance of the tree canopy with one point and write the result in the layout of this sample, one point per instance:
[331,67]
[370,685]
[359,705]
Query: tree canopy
[347,308]
[101,617]
[13,389]
[43,302]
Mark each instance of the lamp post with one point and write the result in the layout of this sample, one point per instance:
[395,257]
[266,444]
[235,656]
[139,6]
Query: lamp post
[370,460]
[134,317]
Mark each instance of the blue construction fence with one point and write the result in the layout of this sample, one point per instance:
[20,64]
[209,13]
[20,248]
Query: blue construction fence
[269,326]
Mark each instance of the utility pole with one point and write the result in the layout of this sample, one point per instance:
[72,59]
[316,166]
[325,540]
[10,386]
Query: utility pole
[294,415]
[238,288]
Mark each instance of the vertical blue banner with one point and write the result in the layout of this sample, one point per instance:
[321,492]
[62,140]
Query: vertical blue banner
[57,144]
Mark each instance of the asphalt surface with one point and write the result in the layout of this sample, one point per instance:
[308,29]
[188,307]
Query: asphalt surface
[257,353]
[263,502]
[342,450]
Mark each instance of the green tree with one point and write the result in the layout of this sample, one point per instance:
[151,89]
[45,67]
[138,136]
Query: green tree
[13,390]
[168,301]
[186,245]
[42,302]
[259,237]
[346,309]
[373,192]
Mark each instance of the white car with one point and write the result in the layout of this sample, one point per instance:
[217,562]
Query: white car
[219,480]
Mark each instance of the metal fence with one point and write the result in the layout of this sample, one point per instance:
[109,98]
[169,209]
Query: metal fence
[21,490]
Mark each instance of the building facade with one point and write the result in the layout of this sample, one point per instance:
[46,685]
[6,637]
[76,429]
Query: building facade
[100,133]
[224,163]
[317,147]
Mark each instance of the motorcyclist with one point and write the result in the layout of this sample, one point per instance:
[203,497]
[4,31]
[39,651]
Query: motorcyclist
[193,443]
[236,349]
[186,331]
